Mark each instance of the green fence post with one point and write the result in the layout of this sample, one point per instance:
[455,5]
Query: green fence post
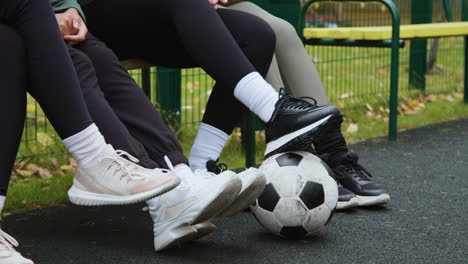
[421,12]
[169,93]
[465,18]
[146,82]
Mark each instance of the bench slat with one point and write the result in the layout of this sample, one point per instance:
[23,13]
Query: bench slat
[384,33]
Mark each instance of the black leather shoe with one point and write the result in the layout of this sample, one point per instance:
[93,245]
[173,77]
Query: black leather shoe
[356,179]
[346,198]
[296,122]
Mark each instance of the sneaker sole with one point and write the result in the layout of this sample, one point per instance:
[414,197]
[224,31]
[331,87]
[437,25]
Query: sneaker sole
[246,197]
[302,138]
[176,237]
[204,229]
[226,197]
[84,198]
[353,202]
[373,200]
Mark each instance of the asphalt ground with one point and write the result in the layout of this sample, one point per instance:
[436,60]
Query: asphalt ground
[425,172]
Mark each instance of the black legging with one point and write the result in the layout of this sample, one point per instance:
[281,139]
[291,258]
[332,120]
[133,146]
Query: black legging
[34,59]
[227,44]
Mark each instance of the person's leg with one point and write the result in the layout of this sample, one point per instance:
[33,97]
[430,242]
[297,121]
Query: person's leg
[301,78]
[53,83]
[197,32]
[13,100]
[113,94]
[121,109]
[298,72]
[102,113]
[12,114]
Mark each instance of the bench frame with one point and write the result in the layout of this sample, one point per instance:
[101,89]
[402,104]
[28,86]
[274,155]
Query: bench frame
[395,43]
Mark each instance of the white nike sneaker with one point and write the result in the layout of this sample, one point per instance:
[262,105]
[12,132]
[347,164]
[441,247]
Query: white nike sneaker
[8,255]
[197,199]
[253,184]
[118,181]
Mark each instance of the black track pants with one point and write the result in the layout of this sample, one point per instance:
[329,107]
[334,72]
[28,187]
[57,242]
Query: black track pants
[118,106]
[34,58]
[227,44]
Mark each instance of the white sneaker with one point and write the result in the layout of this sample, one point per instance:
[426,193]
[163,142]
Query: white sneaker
[8,255]
[197,199]
[253,184]
[204,229]
[117,181]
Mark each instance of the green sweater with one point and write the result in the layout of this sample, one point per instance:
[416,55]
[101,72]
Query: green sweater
[62,5]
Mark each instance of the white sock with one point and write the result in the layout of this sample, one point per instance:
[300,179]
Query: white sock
[2,202]
[208,145]
[183,172]
[86,146]
[258,95]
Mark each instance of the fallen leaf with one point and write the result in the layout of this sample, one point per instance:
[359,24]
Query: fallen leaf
[24,173]
[45,173]
[33,168]
[66,168]
[449,98]
[55,163]
[352,128]
[72,162]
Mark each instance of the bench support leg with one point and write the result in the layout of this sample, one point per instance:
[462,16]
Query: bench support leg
[465,86]
[248,138]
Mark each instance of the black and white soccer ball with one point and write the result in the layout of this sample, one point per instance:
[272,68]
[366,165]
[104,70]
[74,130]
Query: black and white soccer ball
[300,195]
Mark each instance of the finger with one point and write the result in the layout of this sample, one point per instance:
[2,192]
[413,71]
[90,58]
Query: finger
[80,36]
[224,1]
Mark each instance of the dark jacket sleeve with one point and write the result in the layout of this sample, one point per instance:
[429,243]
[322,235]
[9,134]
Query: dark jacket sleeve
[62,5]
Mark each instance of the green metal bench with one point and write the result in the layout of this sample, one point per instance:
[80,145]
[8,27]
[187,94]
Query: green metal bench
[389,37]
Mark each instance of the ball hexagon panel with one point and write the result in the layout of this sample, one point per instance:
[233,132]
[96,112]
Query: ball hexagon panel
[290,211]
[312,195]
[266,219]
[269,198]
[289,159]
[293,232]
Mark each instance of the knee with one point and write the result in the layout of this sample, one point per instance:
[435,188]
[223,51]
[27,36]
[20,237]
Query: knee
[262,35]
[12,45]
[99,54]
[283,29]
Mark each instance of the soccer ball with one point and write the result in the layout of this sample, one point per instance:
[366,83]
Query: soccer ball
[300,195]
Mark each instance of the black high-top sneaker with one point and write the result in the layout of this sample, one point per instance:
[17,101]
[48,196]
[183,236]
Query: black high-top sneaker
[296,122]
[346,198]
[356,179]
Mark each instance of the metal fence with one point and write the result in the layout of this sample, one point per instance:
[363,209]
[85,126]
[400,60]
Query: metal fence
[351,75]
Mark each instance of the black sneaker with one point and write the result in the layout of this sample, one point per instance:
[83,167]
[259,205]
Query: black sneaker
[346,198]
[296,122]
[356,179]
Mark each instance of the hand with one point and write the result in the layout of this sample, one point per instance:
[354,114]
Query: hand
[72,26]
[215,2]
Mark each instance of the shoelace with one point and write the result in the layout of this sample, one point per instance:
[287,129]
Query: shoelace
[215,167]
[358,171]
[293,102]
[129,169]
[8,242]
[184,183]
